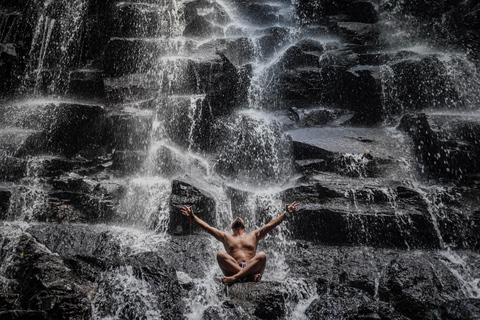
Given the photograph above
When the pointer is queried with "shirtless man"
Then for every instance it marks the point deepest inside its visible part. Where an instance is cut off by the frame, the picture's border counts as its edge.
(240, 261)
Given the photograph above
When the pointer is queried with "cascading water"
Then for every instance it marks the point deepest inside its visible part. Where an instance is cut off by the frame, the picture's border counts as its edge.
(352, 108)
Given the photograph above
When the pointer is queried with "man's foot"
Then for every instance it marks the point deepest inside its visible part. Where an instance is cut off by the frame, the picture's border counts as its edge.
(257, 277)
(228, 281)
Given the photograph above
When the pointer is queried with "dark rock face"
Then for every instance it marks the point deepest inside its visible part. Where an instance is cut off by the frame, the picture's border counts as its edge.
(445, 150)
(406, 282)
(94, 256)
(236, 108)
(5, 195)
(54, 291)
(202, 204)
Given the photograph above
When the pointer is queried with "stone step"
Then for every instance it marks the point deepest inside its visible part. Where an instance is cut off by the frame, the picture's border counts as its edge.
(169, 76)
(348, 151)
(52, 126)
(86, 84)
(335, 212)
(130, 128)
(144, 19)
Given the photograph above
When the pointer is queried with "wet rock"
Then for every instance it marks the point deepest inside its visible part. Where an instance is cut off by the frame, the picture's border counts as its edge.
(203, 205)
(261, 14)
(24, 315)
(58, 128)
(73, 240)
(226, 89)
(125, 162)
(315, 116)
(238, 51)
(421, 84)
(45, 283)
(335, 304)
(271, 40)
(131, 88)
(331, 227)
(304, 54)
(5, 195)
(12, 168)
(312, 157)
(125, 56)
(315, 11)
(265, 299)
(456, 310)
(425, 9)
(94, 254)
(170, 162)
(216, 13)
(273, 307)
(407, 281)
(87, 84)
(201, 28)
(139, 20)
(363, 11)
(130, 129)
(363, 34)
(226, 309)
(444, 148)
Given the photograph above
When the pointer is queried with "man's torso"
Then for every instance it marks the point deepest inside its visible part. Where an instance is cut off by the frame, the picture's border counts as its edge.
(242, 248)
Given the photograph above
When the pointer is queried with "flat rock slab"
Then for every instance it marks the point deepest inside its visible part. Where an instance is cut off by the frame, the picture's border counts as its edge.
(343, 140)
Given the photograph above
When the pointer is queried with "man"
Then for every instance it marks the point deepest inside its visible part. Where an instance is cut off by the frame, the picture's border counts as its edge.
(240, 262)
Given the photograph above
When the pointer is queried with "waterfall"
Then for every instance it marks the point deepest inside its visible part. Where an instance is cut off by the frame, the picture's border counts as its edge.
(116, 114)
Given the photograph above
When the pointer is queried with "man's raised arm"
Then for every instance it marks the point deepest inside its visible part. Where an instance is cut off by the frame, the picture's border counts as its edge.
(289, 209)
(219, 235)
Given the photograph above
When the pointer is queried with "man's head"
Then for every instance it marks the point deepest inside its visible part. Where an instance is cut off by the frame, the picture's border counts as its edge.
(238, 223)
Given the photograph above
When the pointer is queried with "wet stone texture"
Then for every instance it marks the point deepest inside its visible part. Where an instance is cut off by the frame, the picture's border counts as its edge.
(365, 112)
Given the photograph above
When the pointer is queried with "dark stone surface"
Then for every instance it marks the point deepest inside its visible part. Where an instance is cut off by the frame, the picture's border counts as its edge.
(203, 205)
(44, 283)
(5, 195)
(445, 146)
(201, 28)
(407, 281)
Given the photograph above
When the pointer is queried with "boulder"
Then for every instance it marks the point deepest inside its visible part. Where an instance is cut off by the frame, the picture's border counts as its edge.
(363, 34)
(261, 14)
(407, 283)
(210, 10)
(94, 256)
(363, 11)
(456, 310)
(201, 28)
(304, 54)
(271, 40)
(45, 285)
(445, 146)
(203, 205)
(421, 83)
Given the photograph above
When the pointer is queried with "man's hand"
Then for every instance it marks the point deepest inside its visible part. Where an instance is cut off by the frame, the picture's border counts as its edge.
(186, 211)
(290, 208)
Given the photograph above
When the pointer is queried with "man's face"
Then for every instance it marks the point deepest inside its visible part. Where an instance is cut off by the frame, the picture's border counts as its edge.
(238, 223)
